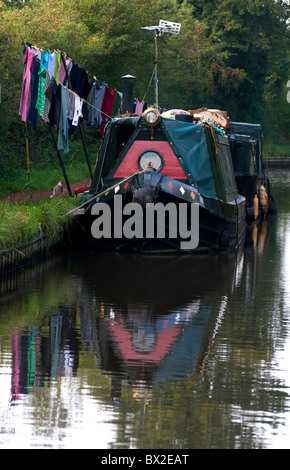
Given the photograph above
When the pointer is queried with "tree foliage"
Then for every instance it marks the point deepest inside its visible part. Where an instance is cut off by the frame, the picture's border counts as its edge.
(232, 55)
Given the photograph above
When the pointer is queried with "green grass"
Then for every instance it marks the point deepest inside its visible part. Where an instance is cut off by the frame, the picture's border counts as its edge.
(42, 178)
(19, 223)
(276, 149)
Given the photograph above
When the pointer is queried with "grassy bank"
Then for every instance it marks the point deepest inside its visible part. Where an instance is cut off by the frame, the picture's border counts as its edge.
(20, 222)
(41, 179)
(276, 149)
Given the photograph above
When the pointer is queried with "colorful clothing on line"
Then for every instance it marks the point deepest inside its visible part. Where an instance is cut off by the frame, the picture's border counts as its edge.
(139, 108)
(107, 106)
(34, 90)
(63, 143)
(26, 82)
(77, 110)
(57, 66)
(96, 101)
(40, 93)
(62, 73)
(51, 63)
(48, 91)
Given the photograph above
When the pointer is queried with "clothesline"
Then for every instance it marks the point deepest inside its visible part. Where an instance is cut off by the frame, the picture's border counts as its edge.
(45, 93)
(56, 88)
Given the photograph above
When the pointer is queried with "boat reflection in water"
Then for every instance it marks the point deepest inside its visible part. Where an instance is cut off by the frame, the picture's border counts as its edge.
(148, 319)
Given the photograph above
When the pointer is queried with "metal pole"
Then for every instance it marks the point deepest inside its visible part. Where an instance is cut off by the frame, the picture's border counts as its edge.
(156, 62)
(60, 161)
(85, 148)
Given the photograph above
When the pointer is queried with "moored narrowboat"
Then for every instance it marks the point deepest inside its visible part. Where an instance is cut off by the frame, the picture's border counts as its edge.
(170, 166)
(177, 181)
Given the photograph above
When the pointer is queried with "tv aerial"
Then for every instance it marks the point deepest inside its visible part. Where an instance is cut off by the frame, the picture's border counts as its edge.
(163, 27)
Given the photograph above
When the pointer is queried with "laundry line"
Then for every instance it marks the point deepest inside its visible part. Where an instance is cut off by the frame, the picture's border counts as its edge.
(69, 89)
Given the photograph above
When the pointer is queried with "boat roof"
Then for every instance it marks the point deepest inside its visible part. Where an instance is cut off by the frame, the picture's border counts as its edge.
(188, 141)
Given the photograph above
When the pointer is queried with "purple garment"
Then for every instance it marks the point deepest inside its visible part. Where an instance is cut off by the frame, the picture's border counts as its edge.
(139, 107)
(34, 91)
(26, 82)
(62, 74)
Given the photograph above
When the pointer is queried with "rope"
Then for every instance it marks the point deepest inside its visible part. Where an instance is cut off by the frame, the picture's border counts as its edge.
(105, 191)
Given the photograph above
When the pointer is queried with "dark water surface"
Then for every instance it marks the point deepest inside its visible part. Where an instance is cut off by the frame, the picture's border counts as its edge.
(118, 352)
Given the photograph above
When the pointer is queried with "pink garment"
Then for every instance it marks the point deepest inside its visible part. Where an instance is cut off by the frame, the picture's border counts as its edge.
(26, 91)
(139, 107)
(62, 74)
(107, 105)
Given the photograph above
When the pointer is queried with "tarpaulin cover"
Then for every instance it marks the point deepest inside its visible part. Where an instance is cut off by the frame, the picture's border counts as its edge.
(189, 143)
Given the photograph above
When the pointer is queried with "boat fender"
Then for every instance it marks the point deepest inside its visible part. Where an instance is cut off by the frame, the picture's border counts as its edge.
(264, 199)
(256, 206)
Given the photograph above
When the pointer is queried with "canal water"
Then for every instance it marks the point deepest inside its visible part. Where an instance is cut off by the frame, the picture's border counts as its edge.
(106, 351)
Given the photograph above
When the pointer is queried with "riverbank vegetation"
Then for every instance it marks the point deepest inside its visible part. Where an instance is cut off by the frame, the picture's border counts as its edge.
(20, 223)
(230, 55)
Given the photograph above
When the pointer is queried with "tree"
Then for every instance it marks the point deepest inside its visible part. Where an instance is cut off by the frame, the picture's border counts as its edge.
(254, 35)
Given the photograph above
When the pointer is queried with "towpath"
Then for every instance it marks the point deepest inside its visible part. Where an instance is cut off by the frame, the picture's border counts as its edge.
(26, 196)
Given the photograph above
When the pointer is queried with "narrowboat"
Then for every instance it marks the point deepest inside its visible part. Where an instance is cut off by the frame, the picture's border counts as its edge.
(181, 171)
(174, 181)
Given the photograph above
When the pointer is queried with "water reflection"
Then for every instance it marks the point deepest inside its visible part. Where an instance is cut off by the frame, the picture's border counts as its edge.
(142, 325)
(91, 337)
(148, 319)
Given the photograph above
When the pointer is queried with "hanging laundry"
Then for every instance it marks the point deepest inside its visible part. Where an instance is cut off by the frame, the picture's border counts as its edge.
(37, 52)
(79, 81)
(54, 113)
(57, 66)
(34, 91)
(45, 59)
(107, 106)
(95, 102)
(63, 143)
(85, 109)
(26, 82)
(70, 105)
(77, 110)
(48, 91)
(62, 73)
(51, 63)
(139, 107)
(40, 92)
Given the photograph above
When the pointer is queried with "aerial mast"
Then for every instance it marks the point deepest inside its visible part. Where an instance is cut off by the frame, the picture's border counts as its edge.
(163, 27)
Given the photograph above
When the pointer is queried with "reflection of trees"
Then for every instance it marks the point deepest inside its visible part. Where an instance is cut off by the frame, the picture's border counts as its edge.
(223, 400)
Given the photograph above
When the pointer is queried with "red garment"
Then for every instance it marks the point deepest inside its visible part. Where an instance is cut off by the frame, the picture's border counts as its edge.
(107, 106)
(26, 91)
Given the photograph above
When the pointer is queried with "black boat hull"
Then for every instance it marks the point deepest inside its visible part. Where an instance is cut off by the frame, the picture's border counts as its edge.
(211, 225)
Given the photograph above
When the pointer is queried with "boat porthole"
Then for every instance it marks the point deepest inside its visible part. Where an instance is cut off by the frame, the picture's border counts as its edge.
(150, 157)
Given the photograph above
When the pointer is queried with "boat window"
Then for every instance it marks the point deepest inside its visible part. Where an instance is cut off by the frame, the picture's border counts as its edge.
(150, 158)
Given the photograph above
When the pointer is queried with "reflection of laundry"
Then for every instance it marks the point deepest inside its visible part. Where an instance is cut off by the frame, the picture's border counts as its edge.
(55, 341)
